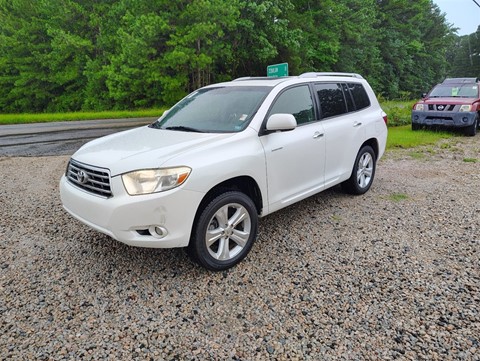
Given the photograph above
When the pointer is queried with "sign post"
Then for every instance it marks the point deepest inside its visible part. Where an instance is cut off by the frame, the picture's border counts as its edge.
(277, 70)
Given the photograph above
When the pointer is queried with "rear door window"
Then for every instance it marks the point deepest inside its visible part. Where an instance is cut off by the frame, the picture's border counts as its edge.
(332, 101)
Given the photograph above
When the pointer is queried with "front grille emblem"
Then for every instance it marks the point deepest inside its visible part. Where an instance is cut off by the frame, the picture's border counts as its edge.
(90, 179)
(440, 107)
(82, 177)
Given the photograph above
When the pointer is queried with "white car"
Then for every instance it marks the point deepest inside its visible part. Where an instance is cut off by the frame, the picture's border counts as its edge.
(202, 175)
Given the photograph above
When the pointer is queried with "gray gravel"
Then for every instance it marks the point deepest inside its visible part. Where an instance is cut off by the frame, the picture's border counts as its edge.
(393, 274)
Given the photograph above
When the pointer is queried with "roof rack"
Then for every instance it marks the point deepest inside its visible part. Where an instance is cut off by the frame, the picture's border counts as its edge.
(461, 80)
(315, 74)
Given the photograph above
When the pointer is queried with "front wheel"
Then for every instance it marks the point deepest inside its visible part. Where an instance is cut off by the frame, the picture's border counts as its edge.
(472, 129)
(224, 232)
(363, 172)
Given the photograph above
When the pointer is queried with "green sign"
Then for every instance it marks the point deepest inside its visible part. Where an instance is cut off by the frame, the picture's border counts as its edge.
(277, 70)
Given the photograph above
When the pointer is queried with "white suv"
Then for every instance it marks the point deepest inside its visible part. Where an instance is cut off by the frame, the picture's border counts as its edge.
(225, 155)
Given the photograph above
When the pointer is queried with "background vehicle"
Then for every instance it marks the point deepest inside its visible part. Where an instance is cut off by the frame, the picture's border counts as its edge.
(453, 103)
(225, 155)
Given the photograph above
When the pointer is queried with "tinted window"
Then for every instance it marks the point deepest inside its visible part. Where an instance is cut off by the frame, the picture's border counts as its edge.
(296, 101)
(360, 96)
(348, 98)
(331, 99)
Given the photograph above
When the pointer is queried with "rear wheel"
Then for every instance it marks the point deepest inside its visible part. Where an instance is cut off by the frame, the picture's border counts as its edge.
(363, 172)
(224, 232)
(472, 129)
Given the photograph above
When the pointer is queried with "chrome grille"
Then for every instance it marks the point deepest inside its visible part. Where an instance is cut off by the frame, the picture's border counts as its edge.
(90, 179)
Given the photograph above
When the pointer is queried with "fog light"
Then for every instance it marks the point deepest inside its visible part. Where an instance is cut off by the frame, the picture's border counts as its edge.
(465, 119)
(415, 117)
(158, 231)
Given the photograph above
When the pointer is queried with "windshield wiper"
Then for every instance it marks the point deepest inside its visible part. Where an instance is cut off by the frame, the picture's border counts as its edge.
(183, 128)
(155, 125)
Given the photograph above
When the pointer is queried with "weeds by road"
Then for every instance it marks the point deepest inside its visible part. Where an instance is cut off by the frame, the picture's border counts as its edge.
(400, 134)
(58, 117)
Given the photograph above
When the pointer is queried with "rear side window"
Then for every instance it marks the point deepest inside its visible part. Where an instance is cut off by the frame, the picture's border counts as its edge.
(360, 96)
(332, 101)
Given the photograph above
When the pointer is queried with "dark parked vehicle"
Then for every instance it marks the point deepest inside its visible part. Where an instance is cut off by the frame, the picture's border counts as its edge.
(453, 103)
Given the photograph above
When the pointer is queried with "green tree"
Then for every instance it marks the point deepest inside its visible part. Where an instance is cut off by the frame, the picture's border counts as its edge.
(320, 34)
(465, 56)
(360, 47)
(43, 50)
(133, 74)
(414, 38)
(263, 35)
(60, 55)
(197, 45)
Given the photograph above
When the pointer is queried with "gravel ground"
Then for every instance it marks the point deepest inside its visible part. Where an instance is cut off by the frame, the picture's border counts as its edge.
(393, 274)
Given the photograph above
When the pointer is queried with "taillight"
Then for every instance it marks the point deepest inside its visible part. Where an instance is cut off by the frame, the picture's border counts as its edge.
(385, 119)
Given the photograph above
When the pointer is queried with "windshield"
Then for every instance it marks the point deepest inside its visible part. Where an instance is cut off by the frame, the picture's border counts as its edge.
(455, 90)
(214, 110)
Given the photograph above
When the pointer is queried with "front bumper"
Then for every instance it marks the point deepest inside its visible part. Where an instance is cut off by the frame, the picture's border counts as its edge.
(448, 119)
(131, 219)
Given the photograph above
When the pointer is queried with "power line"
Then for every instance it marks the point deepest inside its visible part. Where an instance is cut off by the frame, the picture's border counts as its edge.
(475, 1)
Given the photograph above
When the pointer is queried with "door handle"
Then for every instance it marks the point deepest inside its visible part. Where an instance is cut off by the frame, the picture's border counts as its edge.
(357, 124)
(317, 135)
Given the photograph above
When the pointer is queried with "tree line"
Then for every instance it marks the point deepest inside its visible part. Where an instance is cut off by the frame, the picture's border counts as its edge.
(69, 55)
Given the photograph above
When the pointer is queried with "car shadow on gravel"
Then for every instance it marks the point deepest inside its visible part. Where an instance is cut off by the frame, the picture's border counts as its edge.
(95, 253)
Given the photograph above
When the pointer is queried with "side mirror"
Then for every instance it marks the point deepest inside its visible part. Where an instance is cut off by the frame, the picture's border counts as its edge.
(281, 122)
(424, 95)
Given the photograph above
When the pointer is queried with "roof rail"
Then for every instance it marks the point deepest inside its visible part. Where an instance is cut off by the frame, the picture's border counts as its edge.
(461, 80)
(259, 78)
(315, 74)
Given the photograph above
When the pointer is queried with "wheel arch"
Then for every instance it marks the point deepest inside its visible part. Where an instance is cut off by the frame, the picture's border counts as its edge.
(244, 184)
(372, 142)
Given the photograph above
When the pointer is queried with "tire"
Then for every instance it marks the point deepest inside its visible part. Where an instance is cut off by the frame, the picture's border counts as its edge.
(363, 172)
(230, 221)
(472, 129)
(415, 126)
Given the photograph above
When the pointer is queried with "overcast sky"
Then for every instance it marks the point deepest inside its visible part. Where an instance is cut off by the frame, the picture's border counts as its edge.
(463, 14)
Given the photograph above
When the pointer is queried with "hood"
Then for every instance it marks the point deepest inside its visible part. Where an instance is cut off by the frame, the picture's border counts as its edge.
(141, 148)
(450, 100)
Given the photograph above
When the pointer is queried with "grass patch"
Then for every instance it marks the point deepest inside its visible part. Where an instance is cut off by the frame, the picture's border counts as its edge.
(398, 112)
(57, 117)
(417, 155)
(470, 160)
(336, 218)
(397, 197)
(405, 137)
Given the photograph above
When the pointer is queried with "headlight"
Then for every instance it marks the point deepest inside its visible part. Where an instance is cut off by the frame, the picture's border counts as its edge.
(466, 108)
(154, 180)
(419, 107)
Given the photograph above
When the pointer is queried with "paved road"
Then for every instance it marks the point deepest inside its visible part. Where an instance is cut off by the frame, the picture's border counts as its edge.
(59, 138)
